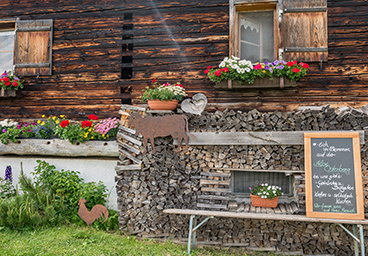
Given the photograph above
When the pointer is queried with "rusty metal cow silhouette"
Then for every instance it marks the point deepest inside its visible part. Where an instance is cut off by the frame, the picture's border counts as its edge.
(161, 126)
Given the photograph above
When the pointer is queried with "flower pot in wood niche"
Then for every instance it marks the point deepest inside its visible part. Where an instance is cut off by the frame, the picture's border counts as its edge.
(264, 202)
(163, 105)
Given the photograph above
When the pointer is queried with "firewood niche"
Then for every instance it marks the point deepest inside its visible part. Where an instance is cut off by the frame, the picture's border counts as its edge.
(226, 142)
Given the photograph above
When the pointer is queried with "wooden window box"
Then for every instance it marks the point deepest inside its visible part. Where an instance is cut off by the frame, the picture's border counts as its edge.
(276, 82)
(9, 93)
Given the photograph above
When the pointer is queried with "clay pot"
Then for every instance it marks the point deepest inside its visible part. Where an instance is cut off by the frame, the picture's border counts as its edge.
(163, 105)
(264, 202)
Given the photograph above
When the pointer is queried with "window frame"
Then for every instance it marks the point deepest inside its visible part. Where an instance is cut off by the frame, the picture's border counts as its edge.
(22, 66)
(238, 6)
(239, 9)
(10, 23)
(247, 194)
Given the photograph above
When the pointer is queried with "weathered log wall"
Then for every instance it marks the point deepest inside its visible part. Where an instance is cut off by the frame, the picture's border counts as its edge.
(87, 56)
(200, 179)
(103, 51)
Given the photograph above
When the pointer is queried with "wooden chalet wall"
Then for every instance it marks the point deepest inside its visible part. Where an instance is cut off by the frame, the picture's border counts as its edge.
(86, 61)
(177, 41)
(105, 52)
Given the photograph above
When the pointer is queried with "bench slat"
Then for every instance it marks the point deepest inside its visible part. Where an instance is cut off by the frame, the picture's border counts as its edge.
(285, 217)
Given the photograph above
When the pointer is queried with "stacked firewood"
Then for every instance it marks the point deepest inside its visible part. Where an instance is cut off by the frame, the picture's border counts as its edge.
(198, 179)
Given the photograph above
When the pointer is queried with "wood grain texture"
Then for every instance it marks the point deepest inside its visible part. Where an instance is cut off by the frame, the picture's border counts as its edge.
(253, 138)
(175, 41)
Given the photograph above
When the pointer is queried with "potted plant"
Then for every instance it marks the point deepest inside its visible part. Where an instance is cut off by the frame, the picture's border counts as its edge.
(164, 96)
(264, 195)
(9, 84)
(244, 74)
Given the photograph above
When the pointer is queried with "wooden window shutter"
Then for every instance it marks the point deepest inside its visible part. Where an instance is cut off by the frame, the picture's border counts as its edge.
(304, 30)
(33, 47)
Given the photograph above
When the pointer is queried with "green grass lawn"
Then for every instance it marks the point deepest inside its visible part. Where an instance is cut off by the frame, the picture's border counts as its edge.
(73, 240)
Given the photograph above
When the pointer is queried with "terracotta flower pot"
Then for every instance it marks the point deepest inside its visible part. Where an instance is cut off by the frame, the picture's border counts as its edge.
(264, 202)
(163, 105)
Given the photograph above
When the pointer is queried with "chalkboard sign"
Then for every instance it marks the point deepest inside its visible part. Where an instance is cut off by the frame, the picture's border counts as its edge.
(333, 175)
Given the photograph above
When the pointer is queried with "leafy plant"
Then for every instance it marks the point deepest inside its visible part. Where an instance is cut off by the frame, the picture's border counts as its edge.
(163, 92)
(264, 190)
(52, 198)
(68, 186)
(244, 71)
(8, 81)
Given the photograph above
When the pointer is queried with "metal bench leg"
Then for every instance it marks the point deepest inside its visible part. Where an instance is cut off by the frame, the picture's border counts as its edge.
(357, 239)
(194, 231)
(356, 244)
(362, 250)
(190, 232)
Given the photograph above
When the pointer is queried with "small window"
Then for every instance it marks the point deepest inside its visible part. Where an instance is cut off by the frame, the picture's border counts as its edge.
(241, 181)
(286, 29)
(7, 32)
(257, 37)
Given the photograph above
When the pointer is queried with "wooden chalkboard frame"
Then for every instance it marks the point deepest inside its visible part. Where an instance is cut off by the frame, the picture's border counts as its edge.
(357, 170)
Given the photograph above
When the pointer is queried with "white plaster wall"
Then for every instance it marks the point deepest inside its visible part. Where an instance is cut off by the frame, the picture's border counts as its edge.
(91, 169)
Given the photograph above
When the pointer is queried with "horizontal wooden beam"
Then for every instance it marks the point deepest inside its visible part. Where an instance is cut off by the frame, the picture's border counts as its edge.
(253, 138)
(34, 29)
(287, 172)
(315, 9)
(58, 147)
(33, 65)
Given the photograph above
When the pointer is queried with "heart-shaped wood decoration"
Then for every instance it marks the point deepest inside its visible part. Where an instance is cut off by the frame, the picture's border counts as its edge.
(195, 105)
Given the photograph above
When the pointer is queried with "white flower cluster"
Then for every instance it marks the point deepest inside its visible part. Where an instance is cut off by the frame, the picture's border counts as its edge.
(8, 123)
(267, 190)
(241, 66)
(176, 89)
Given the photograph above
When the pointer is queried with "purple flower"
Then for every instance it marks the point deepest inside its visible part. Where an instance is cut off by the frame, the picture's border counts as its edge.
(276, 62)
(280, 67)
(282, 62)
(8, 173)
(267, 68)
(266, 63)
(29, 130)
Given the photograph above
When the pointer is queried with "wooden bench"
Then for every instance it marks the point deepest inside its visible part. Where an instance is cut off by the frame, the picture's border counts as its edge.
(357, 233)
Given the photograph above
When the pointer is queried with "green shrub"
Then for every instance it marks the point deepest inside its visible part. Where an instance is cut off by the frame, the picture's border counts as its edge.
(52, 198)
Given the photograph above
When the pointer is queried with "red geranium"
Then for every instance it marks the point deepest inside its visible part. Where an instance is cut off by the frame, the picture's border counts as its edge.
(295, 70)
(218, 73)
(15, 84)
(290, 64)
(64, 123)
(86, 124)
(305, 65)
(206, 71)
(92, 117)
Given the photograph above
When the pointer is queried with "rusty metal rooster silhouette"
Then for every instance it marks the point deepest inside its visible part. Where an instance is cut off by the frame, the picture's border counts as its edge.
(98, 212)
